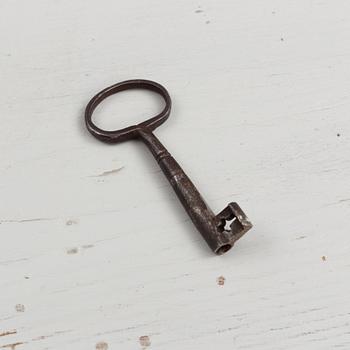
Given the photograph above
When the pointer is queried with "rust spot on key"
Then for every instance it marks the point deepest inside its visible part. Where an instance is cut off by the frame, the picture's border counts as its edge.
(220, 231)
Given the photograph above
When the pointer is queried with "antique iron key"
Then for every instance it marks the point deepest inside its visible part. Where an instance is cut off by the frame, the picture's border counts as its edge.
(220, 231)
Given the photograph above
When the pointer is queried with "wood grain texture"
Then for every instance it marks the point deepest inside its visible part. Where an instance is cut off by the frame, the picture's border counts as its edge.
(97, 253)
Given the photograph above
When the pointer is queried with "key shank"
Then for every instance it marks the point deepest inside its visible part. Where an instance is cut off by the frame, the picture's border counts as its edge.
(212, 227)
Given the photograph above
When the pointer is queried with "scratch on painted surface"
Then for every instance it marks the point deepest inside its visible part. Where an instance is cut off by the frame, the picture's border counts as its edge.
(344, 200)
(11, 346)
(338, 202)
(8, 333)
(87, 246)
(6, 262)
(108, 172)
(42, 337)
(19, 221)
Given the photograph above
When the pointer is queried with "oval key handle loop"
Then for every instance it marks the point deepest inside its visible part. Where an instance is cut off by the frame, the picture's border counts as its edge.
(131, 131)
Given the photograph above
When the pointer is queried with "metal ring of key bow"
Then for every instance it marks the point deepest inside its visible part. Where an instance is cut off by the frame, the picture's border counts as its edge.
(212, 227)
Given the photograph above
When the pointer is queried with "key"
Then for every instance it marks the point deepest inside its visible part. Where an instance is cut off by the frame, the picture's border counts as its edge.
(220, 231)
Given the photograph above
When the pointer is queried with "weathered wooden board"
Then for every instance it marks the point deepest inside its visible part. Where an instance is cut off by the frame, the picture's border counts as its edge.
(97, 253)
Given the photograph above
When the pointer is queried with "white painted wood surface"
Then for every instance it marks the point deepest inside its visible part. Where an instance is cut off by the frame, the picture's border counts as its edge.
(97, 253)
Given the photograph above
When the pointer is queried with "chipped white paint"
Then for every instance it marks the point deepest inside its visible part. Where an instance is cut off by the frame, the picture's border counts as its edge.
(95, 257)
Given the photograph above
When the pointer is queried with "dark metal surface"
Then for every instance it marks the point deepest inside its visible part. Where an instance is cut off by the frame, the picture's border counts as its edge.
(220, 231)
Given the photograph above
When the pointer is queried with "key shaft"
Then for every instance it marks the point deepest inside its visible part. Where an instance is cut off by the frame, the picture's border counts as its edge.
(210, 226)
